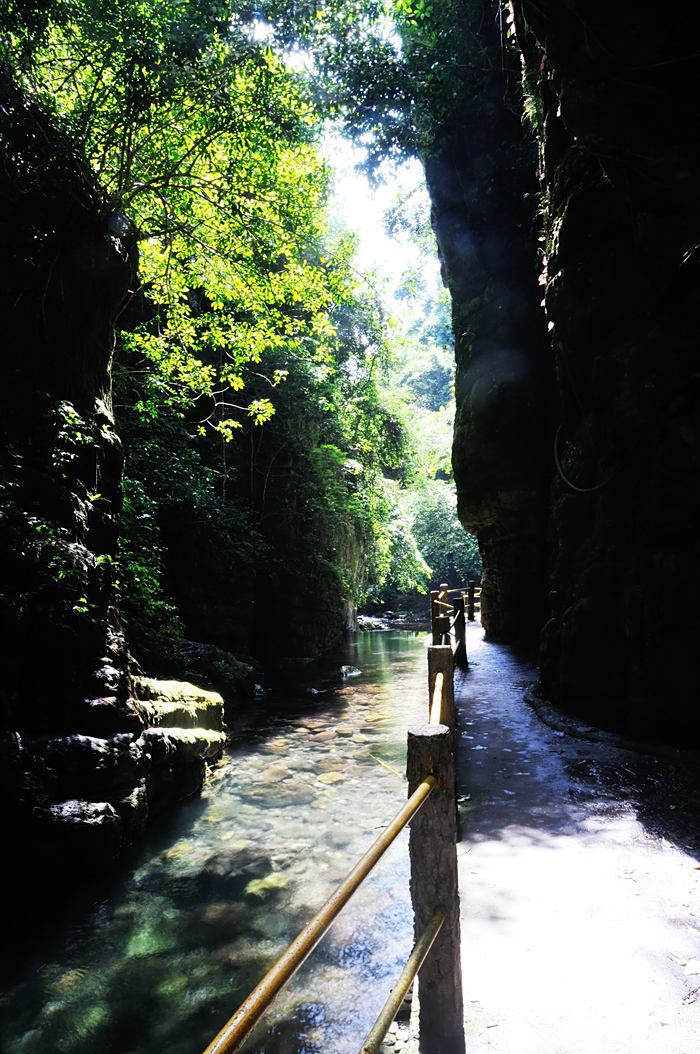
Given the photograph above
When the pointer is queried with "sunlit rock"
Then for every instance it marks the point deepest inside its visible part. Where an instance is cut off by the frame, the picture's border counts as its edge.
(331, 777)
(178, 704)
(264, 888)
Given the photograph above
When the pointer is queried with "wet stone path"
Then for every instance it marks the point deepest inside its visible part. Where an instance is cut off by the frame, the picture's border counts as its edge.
(580, 887)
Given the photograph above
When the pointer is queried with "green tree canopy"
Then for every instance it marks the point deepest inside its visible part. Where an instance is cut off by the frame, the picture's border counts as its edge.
(203, 134)
(203, 141)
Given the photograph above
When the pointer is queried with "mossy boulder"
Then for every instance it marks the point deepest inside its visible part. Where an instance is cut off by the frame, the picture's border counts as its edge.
(178, 704)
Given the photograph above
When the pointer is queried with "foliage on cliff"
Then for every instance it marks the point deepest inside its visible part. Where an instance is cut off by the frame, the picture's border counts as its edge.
(395, 73)
(200, 127)
(203, 142)
(306, 501)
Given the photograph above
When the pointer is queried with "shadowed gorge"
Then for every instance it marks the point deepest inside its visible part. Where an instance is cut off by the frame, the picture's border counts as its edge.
(315, 315)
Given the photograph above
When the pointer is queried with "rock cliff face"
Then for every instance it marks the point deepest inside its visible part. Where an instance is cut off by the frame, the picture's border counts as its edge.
(482, 186)
(80, 767)
(614, 93)
(602, 410)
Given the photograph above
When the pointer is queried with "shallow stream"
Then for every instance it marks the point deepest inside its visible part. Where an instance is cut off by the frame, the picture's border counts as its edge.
(180, 937)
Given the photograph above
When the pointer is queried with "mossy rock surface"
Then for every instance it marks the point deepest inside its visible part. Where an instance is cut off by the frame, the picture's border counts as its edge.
(153, 689)
(183, 744)
(191, 661)
(178, 704)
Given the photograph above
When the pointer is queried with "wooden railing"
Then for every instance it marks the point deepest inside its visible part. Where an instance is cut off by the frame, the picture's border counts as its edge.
(433, 856)
(450, 609)
(431, 810)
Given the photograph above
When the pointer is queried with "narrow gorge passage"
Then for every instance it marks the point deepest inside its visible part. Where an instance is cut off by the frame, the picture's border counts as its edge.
(579, 878)
(168, 951)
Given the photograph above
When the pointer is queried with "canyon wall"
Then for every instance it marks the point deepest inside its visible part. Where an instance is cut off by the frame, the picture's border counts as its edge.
(613, 95)
(82, 762)
(576, 435)
(481, 178)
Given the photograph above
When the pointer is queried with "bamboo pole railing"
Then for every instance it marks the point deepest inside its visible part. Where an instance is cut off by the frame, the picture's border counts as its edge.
(240, 1025)
(375, 1037)
(431, 811)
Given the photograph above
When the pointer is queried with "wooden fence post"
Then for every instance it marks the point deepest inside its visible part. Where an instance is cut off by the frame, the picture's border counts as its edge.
(434, 609)
(435, 887)
(441, 629)
(460, 633)
(440, 618)
(440, 661)
(471, 585)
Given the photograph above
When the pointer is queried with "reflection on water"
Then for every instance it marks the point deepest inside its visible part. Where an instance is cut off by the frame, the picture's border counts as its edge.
(217, 894)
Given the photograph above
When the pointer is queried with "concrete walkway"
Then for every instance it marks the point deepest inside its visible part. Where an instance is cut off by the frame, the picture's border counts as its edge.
(580, 887)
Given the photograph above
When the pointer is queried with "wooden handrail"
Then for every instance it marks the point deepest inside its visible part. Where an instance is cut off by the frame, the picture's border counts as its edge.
(436, 702)
(447, 620)
(431, 749)
(239, 1027)
(375, 1037)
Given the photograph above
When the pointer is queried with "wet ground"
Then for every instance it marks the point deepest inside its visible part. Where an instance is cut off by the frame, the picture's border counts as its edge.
(579, 879)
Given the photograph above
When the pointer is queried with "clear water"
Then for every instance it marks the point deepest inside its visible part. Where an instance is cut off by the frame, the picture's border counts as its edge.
(181, 936)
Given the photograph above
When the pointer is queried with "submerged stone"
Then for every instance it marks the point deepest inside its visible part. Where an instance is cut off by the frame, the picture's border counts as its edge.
(150, 939)
(331, 777)
(276, 746)
(275, 772)
(271, 926)
(263, 888)
(323, 737)
(68, 980)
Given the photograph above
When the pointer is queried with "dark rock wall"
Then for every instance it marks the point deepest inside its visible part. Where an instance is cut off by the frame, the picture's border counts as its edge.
(214, 593)
(79, 769)
(275, 605)
(64, 658)
(483, 188)
(311, 556)
(614, 93)
(63, 276)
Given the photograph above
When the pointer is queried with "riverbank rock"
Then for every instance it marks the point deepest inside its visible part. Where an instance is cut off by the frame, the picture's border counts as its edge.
(83, 828)
(83, 799)
(86, 768)
(178, 704)
(183, 744)
(191, 662)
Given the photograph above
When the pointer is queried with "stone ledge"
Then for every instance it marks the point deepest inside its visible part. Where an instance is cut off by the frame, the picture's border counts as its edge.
(178, 704)
(570, 725)
(183, 744)
(90, 831)
(86, 768)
